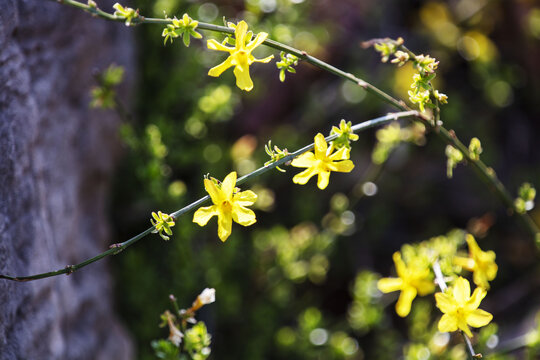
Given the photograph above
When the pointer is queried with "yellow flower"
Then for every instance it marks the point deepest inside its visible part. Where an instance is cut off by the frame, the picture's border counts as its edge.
(228, 206)
(412, 280)
(481, 263)
(461, 309)
(240, 56)
(321, 162)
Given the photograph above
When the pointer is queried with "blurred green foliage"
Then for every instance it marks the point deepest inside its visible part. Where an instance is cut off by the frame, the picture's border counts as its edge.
(300, 283)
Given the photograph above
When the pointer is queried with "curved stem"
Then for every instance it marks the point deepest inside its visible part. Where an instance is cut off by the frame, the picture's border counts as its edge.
(116, 248)
(448, 136)
(69, 269)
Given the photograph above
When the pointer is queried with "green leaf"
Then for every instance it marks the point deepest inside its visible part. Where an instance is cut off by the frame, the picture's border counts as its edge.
(186, 38)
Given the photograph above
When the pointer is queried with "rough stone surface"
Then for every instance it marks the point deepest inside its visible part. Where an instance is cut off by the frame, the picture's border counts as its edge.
(56, 161)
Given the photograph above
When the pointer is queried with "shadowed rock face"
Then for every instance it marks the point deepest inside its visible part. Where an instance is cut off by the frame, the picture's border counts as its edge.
(56, 160)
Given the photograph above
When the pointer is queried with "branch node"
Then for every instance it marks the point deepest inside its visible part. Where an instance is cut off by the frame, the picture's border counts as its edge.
(70, 269)
(362, 83)
(116, 246)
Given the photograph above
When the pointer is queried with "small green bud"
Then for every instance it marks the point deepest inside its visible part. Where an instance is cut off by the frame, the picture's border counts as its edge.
(275, 154)
(426, 64)
(386, 50)
(454, 158)
(443, 99)
(422, 98)
(345, 135)
(162, 223)
(184, 27)
(525, 200)
(475, 149)
(125, 12)
(387, 47)
(286, 64)
(520, 205)
(527, 192)
(401, 57)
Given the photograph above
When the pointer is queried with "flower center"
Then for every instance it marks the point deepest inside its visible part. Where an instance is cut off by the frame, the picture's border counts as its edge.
(226, 206)
(241, 57)
(320, 164)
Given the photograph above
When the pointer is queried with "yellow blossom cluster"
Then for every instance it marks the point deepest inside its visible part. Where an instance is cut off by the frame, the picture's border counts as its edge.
(416, 275)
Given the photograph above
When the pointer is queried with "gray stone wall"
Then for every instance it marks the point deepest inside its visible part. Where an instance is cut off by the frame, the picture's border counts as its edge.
(57, 157)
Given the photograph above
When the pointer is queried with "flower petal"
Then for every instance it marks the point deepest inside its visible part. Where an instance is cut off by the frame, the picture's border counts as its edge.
(228, 184)
(305, 160)
(475, 299)
(464, 262)
(387, 285)
(462, 325)
(462, 291)
(478, 318)
(341, 166)
(215, 193)
(243, 216)
(243, 80)
(403, 306)
(240, 34)
(214, 45)
(320, 146)
(424, 287)
(202, 215)
(445, 303)
(259, 39)
(323, 179)
(224, 225)
(401, 269)
(491, 271)
(341, 154)
(245, 198)
(448, 323)
(219, 69)
(480, 279)
(264, 60)
(303, 177)
(473, 245)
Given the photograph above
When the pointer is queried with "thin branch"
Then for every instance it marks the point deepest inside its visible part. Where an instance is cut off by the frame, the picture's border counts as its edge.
(448, 136)
(116, 248)
(439, 279)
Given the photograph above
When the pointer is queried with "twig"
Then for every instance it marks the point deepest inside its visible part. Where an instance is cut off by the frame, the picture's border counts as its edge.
(449, 137)
(116, 248)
